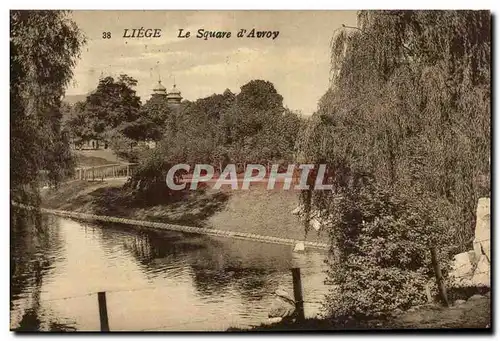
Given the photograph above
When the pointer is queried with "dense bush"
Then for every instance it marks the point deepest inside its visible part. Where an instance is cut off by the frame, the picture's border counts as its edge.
(126, 148)
(381, 250)
(148, 183)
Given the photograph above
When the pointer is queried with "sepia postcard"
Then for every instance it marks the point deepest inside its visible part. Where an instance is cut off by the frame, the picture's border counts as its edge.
(239, 171)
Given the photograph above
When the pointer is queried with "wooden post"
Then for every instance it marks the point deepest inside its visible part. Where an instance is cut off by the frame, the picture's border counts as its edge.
(103, 311)
(297, 294)
(114, 171)
(428, 293)
(128, 170)
(439, 277)
(93, 174)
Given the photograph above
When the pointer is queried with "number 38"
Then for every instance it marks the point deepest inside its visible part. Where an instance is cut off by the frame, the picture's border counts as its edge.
(106, 35)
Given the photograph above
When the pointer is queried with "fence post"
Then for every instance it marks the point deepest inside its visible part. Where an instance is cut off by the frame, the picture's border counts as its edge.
(297, 293)
(128, 170)
(439, 276)
(428, 293)
(103, 311)
(93, 174)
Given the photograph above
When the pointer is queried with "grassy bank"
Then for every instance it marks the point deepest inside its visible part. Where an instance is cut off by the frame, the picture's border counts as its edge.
(254, 211)
(474, 313)
(89, 158)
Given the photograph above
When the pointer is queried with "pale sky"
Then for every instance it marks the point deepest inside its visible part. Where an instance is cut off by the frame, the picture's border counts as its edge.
(297, 62)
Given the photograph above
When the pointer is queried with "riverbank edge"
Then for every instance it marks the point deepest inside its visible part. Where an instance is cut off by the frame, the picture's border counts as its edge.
(172, 227)
(473, 314)
(217, 210)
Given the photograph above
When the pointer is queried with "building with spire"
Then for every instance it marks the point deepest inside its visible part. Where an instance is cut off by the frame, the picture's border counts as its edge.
(174, 97)
(159, 90)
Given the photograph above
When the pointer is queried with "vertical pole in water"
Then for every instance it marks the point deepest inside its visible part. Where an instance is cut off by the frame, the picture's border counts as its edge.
(297, 294)
(103, 311)
(439, 276)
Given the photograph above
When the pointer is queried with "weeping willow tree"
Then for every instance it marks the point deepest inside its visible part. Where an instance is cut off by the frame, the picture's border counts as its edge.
(44, 46)
(405, 125)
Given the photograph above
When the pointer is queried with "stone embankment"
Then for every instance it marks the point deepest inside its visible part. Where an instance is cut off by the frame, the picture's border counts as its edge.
(472, 268)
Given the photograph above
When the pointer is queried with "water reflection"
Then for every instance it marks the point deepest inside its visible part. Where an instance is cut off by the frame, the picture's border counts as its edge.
(35, 251)
(158, 280)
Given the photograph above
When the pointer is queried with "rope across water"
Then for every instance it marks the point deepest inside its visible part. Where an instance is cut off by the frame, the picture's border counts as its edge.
(180, 228)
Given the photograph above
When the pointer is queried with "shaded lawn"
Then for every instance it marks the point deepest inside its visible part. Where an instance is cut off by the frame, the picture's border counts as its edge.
(89, 161)
(96, 157)
(265, 212)
(110, 198)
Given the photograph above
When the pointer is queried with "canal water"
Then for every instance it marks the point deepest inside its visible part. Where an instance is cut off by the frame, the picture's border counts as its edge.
(154, 280)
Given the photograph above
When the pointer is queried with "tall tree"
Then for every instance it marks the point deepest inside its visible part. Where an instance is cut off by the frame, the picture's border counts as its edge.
(114, 105)
(409, 108)
(44, 46)
(80, 124)
(249, 121)
(155, 116)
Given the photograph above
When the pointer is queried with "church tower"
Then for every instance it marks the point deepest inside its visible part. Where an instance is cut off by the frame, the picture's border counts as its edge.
(159, 90)
(174, 97)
